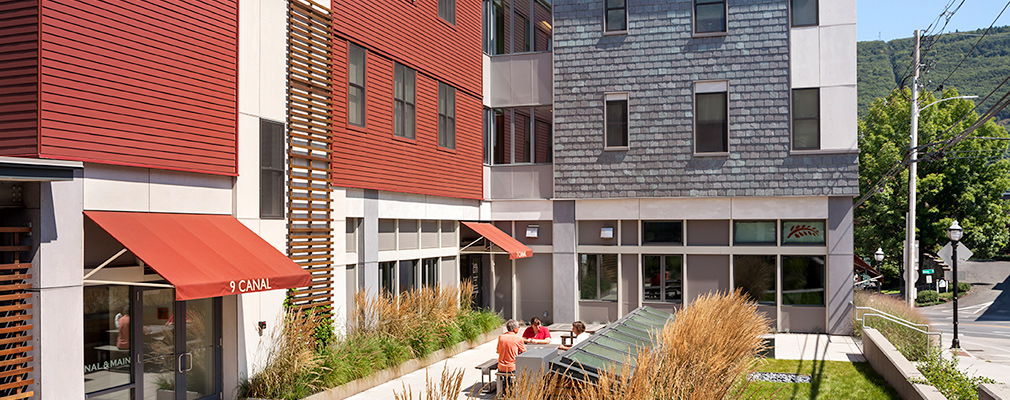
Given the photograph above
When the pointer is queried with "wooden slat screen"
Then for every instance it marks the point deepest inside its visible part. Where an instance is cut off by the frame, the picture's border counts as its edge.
(15, 314)
(310, 132)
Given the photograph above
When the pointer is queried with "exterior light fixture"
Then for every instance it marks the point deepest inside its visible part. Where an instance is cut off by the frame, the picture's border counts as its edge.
(607, 232)
(954, 234)
(532, 231)
(879, 255)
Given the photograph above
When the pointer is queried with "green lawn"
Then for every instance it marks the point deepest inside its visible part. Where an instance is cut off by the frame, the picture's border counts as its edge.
(829, 380)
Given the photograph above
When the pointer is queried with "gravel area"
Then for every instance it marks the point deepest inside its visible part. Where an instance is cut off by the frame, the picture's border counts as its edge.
(781, 377)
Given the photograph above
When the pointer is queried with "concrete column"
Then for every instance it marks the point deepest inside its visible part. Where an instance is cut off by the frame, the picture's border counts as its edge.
(565, 267)
(56, 213)
(368, 241)
(838, 282)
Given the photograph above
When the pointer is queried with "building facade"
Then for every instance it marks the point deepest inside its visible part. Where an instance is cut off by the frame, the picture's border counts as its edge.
(696, 146)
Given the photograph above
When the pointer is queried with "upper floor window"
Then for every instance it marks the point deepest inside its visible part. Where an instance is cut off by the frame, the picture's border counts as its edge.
(616, 16)
(711, 122)
(709, 16)
(447, 10)
(806, 119)
(271, 169)
(403, 101)
(519, 135)
(515, 26)
(446, 116)
(616, 120)
(804, 12)
(356, 85)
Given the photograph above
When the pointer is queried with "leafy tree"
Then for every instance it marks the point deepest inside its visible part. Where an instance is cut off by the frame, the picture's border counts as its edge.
(966, 183)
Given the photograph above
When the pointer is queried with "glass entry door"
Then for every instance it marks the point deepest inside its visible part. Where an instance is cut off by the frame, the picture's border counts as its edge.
(181, 350)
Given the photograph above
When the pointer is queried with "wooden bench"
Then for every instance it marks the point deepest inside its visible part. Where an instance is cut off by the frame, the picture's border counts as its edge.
(485, 370)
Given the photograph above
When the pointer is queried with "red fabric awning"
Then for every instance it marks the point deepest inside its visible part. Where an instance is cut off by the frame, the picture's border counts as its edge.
(501, 239)
(202, 255)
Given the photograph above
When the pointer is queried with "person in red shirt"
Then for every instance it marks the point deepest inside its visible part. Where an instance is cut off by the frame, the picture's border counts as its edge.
(510, 345)
(536, 333)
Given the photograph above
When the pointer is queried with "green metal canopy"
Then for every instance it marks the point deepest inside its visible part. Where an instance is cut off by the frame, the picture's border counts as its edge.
(612, 346)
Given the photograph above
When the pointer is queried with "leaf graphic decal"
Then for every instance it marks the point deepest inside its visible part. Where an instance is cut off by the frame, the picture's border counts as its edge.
(799, 231)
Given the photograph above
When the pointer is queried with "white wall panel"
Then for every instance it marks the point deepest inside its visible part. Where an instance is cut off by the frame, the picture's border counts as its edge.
(185, 192)
(837, 12)
(273, 60)
(519, 210)
(116, 188)
(838, 118)
(696, 208)
(804, 57)
(838, 55)
(606, 209)
(779, 207)
(246, 193)
(249, 57)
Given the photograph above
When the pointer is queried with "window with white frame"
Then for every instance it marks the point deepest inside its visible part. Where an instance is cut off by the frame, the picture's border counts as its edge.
(616, 120)
(806, 119)
(403, 101)
(616, 15)
(711, 117)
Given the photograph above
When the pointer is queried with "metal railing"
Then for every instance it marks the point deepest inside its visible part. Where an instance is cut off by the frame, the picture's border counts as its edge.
(873, 312)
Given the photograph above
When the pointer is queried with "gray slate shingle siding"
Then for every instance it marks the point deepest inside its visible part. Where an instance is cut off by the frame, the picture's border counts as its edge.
(657, 63)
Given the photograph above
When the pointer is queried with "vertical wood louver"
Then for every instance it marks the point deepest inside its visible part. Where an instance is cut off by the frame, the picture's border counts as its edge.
(310, 133)
(15, 316)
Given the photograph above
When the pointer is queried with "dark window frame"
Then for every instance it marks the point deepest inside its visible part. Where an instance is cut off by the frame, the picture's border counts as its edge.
(794, 118)
(792, 14)
(606, 18)
(446, 116)
(663, 279)
(663, 243)
(401, 101)
(725, 18)
(775, 233)
(272, 134)
(351, 84)
(788, 279)
(783, 235)
(774, 281)
(447, 11)
(599, 277)
(617, 99)
(725, 128)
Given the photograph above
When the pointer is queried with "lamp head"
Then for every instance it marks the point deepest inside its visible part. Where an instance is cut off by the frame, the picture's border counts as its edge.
(879, 255)
(954, 232)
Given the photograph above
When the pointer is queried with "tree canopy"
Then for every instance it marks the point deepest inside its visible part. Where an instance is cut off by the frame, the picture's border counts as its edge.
(966, 183)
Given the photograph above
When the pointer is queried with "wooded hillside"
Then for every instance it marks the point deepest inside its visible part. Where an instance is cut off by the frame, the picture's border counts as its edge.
(882, 66)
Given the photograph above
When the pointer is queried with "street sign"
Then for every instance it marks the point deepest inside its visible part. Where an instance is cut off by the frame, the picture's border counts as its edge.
(927, 271)
(929, 279)
(963, 254)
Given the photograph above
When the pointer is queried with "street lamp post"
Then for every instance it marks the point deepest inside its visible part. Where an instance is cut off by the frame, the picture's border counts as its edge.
(954, 233)
(879, 256)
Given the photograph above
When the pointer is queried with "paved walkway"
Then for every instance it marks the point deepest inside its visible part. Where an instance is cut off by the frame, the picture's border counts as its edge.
(787, 346)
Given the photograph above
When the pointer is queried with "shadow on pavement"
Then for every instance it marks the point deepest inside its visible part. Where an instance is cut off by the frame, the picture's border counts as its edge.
(999, 310)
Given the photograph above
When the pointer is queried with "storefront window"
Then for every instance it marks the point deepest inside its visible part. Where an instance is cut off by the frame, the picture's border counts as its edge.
(108, 361)
(803, 232)
(755, 277)
(663, 232)
(429, 272)
(754, 232)
(803, 280)
(386, 272)
(662, 278)
(598, 277)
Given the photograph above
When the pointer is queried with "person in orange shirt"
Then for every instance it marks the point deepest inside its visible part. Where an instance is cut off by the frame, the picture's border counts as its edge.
(510, 345)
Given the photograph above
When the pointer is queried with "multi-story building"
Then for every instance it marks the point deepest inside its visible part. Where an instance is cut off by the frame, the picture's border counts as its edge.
(649, 152)
(160, 159)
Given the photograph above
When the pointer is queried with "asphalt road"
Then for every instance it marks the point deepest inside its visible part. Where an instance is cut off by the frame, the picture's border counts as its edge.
(983, 314)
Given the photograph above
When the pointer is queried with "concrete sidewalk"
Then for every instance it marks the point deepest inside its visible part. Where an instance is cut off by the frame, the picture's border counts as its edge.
(787, 346)
(973, 366)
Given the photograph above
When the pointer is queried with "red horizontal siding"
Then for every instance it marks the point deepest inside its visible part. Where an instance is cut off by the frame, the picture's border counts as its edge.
(19, 61)
(372, 158)
(140, 83)
(413, 33)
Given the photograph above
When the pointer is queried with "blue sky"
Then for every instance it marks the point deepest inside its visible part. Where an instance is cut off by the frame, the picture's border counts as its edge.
(893, 19)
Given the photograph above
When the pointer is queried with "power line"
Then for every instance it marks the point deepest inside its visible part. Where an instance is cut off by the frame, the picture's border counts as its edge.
(973, 46)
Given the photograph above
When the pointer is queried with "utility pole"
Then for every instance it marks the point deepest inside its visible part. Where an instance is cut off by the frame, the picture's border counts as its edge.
(912, 171)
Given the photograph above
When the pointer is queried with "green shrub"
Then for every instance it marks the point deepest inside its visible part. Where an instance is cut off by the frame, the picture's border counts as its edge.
(927, 297)
(943, 374)
(962, 288)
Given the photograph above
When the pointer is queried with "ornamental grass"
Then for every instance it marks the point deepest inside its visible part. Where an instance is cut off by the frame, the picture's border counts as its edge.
(912, 344)
(705, 352)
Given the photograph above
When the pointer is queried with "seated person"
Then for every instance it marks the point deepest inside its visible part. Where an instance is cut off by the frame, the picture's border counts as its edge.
(537, 333)
(579, 334)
